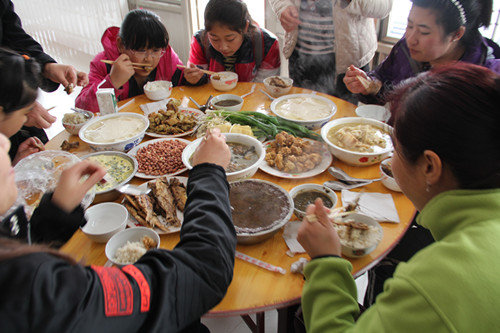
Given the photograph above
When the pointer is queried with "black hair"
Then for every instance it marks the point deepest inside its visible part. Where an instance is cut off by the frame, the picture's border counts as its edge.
(453, 111)
(142, 29)
(477, 14)
(231, 13)
(19, 81)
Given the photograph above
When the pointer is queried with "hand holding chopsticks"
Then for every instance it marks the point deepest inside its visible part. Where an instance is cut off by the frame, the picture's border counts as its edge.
(134, 64)
(201, 70)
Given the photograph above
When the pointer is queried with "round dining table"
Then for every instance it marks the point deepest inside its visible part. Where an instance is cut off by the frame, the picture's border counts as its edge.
(254, 289)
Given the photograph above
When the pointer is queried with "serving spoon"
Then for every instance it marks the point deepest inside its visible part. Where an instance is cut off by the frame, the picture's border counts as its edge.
(344, 181)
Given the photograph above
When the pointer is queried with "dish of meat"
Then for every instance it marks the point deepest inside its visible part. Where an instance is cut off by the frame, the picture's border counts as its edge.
(178, 123)
(162, 208)
(321, 166)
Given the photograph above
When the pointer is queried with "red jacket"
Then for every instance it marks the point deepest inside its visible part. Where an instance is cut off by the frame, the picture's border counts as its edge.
(99, 71)
(245, 66)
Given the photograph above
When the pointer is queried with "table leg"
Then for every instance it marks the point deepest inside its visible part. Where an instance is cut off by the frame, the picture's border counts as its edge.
(285, 318)
(255, 327)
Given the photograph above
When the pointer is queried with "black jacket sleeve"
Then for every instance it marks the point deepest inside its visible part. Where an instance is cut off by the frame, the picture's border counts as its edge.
(177, 287)
(14, 37)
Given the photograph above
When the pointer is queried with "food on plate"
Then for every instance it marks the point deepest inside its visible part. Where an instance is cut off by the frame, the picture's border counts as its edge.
(161, 157)
(220, 122)
(67, 146)
(158, 208)
(291, 154)
(118, 169)
(257, 206)
(114, 129)
(278, 82)
(132, 251)
(227, 102)
(171, 121)
(242, 156)
(364, 138)
(307, 197)
(304, 108)
(75, 118)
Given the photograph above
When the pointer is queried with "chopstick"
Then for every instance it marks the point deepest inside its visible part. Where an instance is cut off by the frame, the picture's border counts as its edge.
(260, 263)
(134, 64)
(202, 70)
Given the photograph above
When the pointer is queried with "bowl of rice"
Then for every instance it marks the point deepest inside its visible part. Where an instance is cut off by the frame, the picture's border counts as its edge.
(158, 90)
(127, 246)
(359, 234)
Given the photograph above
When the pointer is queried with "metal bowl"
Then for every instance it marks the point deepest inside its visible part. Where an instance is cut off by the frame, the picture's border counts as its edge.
(111, 193)
(256, 201)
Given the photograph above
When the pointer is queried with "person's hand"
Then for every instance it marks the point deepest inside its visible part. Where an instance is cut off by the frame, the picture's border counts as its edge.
(192, 74)
(27, 147)
(213, 149)
(289, 18)
(70, 190)
(39, 117)
(319, 238)
(121, 71)
(358, 82)
(65, 75)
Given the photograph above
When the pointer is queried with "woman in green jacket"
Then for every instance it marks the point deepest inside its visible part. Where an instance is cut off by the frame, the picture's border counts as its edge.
(447, 162)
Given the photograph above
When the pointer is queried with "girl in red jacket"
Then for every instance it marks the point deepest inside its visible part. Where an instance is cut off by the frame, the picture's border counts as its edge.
(142, 38)
(232, 42)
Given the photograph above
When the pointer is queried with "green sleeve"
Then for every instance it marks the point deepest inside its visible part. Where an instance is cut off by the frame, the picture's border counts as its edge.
(329, 301)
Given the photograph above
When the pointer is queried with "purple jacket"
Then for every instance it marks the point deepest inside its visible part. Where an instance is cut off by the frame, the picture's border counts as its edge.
(398, 66)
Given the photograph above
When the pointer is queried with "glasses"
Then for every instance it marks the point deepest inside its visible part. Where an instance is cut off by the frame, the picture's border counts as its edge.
(143, 54)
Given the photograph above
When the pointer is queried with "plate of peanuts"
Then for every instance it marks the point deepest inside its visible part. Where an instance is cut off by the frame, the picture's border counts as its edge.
(160, 157)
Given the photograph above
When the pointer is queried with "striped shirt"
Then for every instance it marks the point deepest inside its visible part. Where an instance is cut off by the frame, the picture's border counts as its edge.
(316, 34)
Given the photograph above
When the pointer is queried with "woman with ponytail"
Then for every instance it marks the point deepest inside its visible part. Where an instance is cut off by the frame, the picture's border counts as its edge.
(438, 32)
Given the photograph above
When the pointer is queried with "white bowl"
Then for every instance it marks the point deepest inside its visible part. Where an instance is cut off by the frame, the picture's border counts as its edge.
(158, 90)
(351, 157)
(104, 220)
(227, 97)
(227, 81)
(356, 252)
(377, 112)
(75, 128)
(278, 91)
(121, 145)
(311, 187)
(128, 235)
(311, 124)
(388, 180)
(236, 138)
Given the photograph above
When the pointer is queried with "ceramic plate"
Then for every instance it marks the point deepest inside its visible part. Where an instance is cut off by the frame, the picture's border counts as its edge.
(196, 113)
(326, 161)
(133, 152)
(133, 223)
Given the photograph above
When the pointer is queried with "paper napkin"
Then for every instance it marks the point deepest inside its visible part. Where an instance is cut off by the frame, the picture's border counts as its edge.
(379, 206)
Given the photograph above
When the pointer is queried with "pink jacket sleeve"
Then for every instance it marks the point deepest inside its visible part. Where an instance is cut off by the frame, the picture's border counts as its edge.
(87, 98)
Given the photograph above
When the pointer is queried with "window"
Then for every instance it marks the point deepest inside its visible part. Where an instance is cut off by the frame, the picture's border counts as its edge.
(393, 28)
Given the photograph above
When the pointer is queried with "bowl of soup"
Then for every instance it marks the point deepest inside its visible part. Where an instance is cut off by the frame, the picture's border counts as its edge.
(224, 81)
(118, 131)
(358, 141)
(259, 209)
(120, 169)
(247, 153)
(278, 85)
(227, 102)
(308, 110)
(306, 194)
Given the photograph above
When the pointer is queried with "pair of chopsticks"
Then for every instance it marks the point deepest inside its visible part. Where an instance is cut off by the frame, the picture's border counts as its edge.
(202, 70)
(134, 64)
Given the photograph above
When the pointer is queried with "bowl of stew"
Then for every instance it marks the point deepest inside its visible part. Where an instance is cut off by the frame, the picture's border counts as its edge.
(227, 102)
(305, 194)
(247, 153)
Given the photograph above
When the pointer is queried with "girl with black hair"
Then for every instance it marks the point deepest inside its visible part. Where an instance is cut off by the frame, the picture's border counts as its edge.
(231, 41)
(142, 38)
(438, 32)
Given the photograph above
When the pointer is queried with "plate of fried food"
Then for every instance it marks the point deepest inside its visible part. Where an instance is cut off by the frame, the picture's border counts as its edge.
(295, 158)
(159, 157)
(162, 209)
(174, 121)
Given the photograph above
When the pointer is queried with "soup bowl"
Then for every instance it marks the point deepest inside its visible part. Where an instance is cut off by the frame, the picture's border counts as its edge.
(243, 139)
(224, 81)
(227, 102)
(353, 157)
(275, 90)
(311, 188)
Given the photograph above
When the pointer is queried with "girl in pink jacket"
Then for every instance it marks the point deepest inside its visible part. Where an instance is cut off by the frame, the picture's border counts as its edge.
(142, 38)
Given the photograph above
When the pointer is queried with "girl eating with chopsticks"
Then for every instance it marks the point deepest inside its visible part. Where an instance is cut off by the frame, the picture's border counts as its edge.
(133, 55)
(232, 42)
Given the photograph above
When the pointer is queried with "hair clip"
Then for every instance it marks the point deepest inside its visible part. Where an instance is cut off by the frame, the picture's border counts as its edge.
(460, 10)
